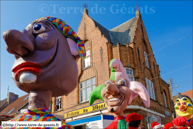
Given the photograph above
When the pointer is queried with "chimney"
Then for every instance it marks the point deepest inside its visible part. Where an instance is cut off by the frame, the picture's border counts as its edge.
(11, 97)
(178, 94)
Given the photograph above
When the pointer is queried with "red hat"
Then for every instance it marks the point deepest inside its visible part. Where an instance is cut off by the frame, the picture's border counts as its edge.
(155, 125)
(133, 117)
(180, 121)
(183, 128)
(190, 123)
(168, 125)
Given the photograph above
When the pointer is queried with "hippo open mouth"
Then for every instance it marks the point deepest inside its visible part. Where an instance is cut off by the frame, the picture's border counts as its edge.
(115, 101)
(183, 110)
(26, 66)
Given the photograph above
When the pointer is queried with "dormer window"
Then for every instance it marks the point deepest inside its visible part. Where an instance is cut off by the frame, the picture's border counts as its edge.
(86, 62)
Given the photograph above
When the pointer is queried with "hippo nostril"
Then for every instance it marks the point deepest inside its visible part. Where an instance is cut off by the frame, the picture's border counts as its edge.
(28, 51)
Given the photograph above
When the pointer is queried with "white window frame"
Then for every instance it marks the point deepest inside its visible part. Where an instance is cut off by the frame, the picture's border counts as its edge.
(59, 103)
(86, 60)
(131, 74)
(146, 60)
(84, 88)
(150, 89)
(165, 100)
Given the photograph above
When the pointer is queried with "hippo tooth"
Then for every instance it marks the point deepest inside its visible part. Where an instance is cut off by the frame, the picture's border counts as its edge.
(114, 99)
(27, 77)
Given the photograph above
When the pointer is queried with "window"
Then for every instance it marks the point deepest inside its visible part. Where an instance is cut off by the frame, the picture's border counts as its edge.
(85, 89)
(3, 112)
(142, 30)
(150, 89)
(146, 60)
(58, 103)
(165, 101)
(129, 72)
(26, 97)
(139, 55)
(50, 107)
(86, 61)
(10, 111)
(154, 67)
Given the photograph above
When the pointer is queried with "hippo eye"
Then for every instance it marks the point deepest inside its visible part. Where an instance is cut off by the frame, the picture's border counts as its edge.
(178, 104)
(108, 82)
(184, 103)
(184, 99)
(121, 82)
(37, 28)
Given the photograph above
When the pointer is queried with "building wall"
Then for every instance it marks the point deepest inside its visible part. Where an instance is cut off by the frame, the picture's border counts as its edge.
(129, 56)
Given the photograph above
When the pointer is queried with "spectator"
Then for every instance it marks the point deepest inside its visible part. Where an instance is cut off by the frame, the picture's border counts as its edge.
(156, 125)
(180, 122)
(134, 121)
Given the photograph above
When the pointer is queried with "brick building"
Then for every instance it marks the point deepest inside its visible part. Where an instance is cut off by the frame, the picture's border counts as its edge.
(129, 43)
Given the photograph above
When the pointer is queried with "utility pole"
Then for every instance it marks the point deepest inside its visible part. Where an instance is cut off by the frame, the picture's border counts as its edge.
(171, 87)
(170, 81)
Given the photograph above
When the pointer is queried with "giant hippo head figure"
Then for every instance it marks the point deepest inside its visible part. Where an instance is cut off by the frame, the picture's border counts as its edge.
(46, 52)
(119, 90)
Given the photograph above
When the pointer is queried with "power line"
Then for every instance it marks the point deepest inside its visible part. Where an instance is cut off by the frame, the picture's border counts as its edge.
(185, 83)
(171, 72)
(170, 44)
(184, 80)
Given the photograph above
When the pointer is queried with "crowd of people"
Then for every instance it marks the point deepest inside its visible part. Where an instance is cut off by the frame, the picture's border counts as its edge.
(134, 122)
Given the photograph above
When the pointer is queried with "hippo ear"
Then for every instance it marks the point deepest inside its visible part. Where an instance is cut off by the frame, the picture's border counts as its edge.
(73, 47)
(139, 89)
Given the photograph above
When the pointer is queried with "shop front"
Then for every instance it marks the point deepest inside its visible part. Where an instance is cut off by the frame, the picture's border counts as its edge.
(96, 116)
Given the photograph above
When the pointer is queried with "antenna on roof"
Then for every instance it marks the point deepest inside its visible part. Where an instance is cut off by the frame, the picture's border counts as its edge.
(85, 5)
(137, 7)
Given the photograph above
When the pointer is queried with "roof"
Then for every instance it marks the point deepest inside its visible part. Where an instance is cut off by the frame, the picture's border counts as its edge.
(121, 34)
(3, 104)
(15, 106)
(103, 30)
(189, 93)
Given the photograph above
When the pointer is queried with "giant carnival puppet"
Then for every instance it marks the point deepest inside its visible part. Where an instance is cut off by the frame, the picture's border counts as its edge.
(45, 64)
(184, 106)
(118, 92)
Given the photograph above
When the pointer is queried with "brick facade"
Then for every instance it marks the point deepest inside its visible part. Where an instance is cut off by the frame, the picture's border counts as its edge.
(131, 55)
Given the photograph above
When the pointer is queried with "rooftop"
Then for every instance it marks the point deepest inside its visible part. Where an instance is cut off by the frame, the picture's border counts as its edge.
(15, 106)
(122, 33)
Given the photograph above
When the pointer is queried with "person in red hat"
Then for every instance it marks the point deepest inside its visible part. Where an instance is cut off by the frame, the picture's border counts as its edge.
(180, 122)
(134, 121)
(190, 124)
(169, 126)
(156, 125)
